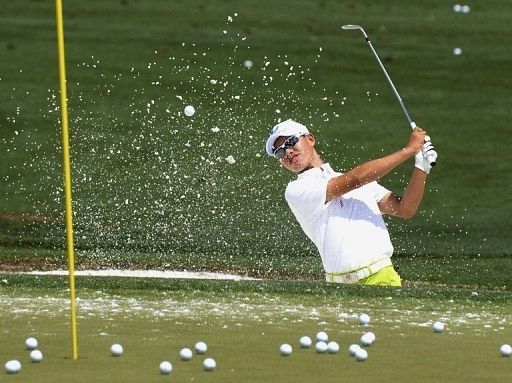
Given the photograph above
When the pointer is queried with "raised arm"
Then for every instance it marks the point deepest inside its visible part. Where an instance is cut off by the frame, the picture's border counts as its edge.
(375, 169)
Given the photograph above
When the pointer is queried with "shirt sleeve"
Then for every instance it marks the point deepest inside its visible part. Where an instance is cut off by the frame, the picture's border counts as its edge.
(306, 196)
(378, 191)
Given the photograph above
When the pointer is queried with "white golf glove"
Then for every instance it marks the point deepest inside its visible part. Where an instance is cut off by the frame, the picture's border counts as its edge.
(425, 156)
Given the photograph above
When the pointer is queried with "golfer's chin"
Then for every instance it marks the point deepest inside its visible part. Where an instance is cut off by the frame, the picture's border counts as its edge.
(295, 165)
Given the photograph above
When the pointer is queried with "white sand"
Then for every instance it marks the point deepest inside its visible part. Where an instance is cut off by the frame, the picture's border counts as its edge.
(147, 274)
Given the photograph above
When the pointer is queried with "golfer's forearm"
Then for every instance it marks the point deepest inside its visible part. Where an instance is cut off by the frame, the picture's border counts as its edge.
(376, 169)
(365, 173)
(413, 194)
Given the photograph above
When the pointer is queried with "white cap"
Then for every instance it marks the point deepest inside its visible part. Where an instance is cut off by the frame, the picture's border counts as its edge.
(285, 128)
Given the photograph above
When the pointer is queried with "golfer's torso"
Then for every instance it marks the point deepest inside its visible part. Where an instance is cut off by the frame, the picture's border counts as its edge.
(349, 231)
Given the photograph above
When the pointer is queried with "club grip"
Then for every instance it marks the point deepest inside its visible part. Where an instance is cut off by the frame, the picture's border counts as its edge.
(431, 158)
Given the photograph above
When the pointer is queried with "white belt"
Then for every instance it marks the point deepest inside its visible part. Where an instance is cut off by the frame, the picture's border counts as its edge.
(357, 275)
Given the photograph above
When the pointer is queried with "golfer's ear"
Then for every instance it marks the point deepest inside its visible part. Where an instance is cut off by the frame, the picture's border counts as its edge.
(311, 139)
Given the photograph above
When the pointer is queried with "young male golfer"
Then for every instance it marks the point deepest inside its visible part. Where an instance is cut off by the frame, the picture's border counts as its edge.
(342, 212)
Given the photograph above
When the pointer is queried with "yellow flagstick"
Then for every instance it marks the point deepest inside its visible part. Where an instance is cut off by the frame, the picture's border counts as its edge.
(67, 174)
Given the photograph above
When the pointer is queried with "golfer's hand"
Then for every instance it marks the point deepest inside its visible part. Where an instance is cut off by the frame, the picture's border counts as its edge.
(416, 141)
(425, 156)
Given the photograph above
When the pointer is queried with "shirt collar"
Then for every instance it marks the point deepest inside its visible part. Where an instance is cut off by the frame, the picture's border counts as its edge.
(325, 169)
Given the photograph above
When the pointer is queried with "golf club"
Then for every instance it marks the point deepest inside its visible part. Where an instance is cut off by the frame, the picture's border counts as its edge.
(431, 158)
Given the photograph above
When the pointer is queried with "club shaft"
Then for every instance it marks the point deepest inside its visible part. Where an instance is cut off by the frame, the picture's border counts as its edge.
(431, 159)
(390, 82)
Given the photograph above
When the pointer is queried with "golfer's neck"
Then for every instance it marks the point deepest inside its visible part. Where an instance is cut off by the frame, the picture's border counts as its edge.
(316, 162)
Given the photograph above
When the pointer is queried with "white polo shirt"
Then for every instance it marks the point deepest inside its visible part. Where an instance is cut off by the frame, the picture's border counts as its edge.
(349, 230)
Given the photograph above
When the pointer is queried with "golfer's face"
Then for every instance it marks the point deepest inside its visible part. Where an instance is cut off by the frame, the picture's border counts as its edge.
(298, 157)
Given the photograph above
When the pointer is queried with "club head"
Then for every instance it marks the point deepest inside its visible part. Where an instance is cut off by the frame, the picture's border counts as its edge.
(354, 27)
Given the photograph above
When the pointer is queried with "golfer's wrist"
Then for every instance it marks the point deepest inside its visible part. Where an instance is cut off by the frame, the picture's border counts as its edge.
(422, 168)
(408, 151)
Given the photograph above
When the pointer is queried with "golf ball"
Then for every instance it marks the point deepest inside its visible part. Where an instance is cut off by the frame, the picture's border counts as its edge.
(165, 367)
(36, 356)
(189, 111)
(12, 367)
(201, 348)
(438, 326)
(353, 349)
(31, 343)
(321, 347)
(364, 319)
(116, 349)
(361, 355)
(209, 364)
(466, 9)
(333, 347)
(185, 354)
(248, 63)
(322, 336)
(230, 159)
(457, 51)
(285, 349)
(367, 338)
(305, 342)
(505, 350)
(457, 8)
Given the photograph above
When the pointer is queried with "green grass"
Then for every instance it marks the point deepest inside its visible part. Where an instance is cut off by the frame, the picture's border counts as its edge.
(142, 181)
(244, 323)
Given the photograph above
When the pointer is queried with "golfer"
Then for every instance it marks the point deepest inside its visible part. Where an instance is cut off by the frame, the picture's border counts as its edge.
(342, 212)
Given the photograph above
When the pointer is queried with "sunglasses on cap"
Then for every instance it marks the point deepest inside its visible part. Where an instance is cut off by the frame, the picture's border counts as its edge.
(290, 142)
